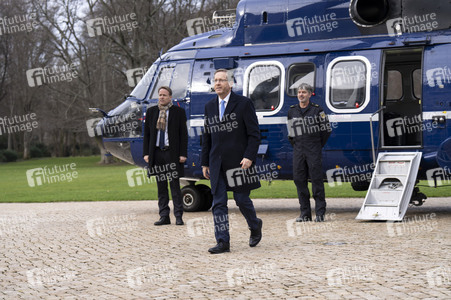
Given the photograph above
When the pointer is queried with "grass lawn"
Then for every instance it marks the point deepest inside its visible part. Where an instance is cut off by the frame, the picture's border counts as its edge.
(96, 182)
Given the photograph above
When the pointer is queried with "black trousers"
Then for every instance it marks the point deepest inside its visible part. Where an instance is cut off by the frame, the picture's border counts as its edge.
(166, 166)
(305, 165)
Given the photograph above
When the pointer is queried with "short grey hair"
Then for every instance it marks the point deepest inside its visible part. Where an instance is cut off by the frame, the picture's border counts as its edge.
(306, 86)
(228, 72)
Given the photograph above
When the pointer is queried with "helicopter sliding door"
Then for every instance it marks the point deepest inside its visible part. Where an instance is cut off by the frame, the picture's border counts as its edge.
(351, 90)
(401, 91)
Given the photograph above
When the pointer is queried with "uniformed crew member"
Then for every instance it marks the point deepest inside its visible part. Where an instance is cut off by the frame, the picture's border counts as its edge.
(309, 130)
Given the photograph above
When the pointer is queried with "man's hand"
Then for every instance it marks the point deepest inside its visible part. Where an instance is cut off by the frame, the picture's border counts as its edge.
(206, 172)
(146, 158)
(245, 163)
(182, 159)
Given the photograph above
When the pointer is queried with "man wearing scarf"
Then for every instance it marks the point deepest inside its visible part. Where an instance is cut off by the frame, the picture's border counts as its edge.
(165, 148)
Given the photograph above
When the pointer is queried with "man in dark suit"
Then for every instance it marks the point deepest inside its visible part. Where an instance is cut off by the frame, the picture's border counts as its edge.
(165, 150)
(229, 148)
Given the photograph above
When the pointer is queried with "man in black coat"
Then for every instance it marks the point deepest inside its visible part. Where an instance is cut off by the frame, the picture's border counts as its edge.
(229, 148)
(309, 130)
(165, 150)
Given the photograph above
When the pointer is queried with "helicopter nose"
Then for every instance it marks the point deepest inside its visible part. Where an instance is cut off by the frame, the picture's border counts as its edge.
(120, 131)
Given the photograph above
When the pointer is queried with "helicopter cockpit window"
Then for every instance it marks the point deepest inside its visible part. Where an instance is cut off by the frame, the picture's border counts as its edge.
(164, 78)
(174, 76)
(300, 73)
(348, 84)
(263, 88)
(141, 88)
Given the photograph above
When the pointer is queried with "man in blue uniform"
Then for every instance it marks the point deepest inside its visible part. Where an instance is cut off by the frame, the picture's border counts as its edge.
(309, 130)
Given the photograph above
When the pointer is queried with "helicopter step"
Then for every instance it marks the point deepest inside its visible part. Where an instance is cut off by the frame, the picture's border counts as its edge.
(391, 186)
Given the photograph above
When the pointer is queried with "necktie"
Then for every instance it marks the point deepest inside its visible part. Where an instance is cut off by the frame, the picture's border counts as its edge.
(161, 141)
(221, 113)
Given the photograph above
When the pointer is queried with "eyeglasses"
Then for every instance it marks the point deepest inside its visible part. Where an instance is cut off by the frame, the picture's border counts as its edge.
(220, 80)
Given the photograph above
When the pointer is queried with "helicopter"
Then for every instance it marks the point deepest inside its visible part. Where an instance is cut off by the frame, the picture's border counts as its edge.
(381, 70)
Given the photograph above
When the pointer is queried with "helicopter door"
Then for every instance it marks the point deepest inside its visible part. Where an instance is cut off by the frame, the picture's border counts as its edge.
(401, 120)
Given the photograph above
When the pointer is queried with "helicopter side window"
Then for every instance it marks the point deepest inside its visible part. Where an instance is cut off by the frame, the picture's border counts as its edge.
(300, 73)
(348, 84)
(179, 82)
(264, 87)
(416, 77)
(394, 85)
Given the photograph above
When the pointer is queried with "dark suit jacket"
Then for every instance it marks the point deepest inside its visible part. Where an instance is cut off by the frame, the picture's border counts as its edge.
(177, 134)
(225, 143)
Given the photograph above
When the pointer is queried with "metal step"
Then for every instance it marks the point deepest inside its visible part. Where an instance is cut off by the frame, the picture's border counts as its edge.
(391, 186)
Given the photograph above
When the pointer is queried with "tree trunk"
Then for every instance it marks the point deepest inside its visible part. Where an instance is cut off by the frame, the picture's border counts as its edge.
(26, 145)
(105, 157)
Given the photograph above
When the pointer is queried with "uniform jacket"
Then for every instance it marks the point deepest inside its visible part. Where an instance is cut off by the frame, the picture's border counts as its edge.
(226, 142)
(308, 131)
(177, 135)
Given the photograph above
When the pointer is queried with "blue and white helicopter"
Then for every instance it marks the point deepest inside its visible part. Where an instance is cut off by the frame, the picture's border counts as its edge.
(381, 69)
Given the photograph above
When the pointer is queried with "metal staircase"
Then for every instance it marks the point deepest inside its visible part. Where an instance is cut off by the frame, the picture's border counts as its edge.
(391, 186)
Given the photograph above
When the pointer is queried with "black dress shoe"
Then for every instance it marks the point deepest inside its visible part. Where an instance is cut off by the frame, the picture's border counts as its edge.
(221, 247)
(303, 219)
(319, 218)
(256, 234)
(179, 221)
(163, 221)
